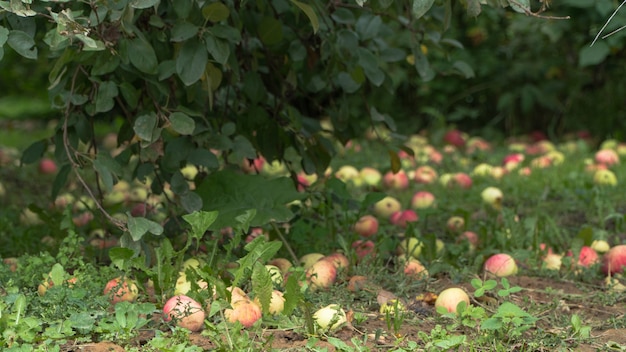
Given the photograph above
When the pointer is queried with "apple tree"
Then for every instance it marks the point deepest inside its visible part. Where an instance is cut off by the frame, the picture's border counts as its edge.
(215, 84)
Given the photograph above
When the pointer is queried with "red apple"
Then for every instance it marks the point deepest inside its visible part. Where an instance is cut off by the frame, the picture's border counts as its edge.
(607, 157)
(462, 180)
(614, 261)
(245, 311)
(587, 257)
(366, 226)
(120, 290)
(422, 200)
(501, 265)
(322, 274)
(47, 166)
(450, 299)
(425, 174)
(396, 181)
(403, 217)
(185, 312)
(415, 269)
(364, 249)
(339, 260)
(455, 137)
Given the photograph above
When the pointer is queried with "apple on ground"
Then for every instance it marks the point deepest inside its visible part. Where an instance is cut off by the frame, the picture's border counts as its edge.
(397, 181)
(330, 318)
(411, 247)
(364, 249)
(245, 312)
(348, 173)
(455, 137)
(455, 224)
(552, 261)
(185, 312)
(422, 200)
(605, 178)
(308, 260)
(370, 176)
(339, 260)
(608, 157)
(387, 206)
(403, 217)
(121, 289)
(366, 226)
(614, 261)
(322, 274)
(600, 246)
(450, 298)
(492, 196)
(281, 263)
(415, 269)
(501, 265)
(425, 174)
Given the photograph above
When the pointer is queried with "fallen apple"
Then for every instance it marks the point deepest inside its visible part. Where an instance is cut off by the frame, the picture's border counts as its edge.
(422, 200)
(339, 260)
(587, 257)
(245, 312)
(604, 177)
(411, 247)
(121, 289)
(322, 274)
(387, 206)
(492, 196)
(366, 226)
(308, 260)
(501, 265)
(450, 299)
(281, 263)
(276, 274)
(403, 217)
(614, 260)
(184, 312)
(330, 318)
(415, 269)
(552, 261)
(364, 249)
(397, 181)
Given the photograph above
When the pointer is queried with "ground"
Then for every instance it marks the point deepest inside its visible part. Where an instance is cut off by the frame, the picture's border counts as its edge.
(556, 297)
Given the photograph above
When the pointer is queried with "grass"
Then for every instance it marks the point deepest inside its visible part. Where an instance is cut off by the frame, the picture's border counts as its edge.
(537, 309)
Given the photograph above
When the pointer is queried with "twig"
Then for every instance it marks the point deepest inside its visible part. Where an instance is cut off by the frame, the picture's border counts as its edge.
(284, 240)
(607, 23)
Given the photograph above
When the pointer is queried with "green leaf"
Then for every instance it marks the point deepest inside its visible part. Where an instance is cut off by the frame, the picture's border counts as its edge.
(232, 194)
(310, 13)
(491, 324)
(262, 285)
(218, 48)
(420, 7)
(229, 33)
(422, 65)
(473, 8)
(182, 123)
(253, 87)
(215, 12)
(369, 62)
(34, 152)
(191, 61)
(345, 81)
(464, 68)
(60, 180)
(90, 44)
(140, 226)
(521, 6)
(259, 250)
(191, 202)
(57, 274)
(203, 157)
(23, 44)
(107, 91)
(200, 222)
(142, 56)
(119, 256)
(270, 30)
(146, 127)
(293, 295)
(385, 118)
(182, 31)
(593, 55)
(143, 4)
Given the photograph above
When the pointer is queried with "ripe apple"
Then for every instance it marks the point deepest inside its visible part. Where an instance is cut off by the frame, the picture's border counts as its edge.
(501, 265)
(512, 161)
(364, 249)
(366, 226)
(330, 318)
(185, 312)
(281, 263)
(587, 257)
(450, 299)
(411, 247)
(607, 157)
(47, 166)
(347, 173)
(455, 224)
(308, 260)
(462, 180)
(245, 312)
(455, 137)
(370, 176)
(600, 246)
(493, 197)
(252, 166)
(387, 206)
(277, 303)
(552, 261)
(403, 217)
(339, 260)
(604, 178)
(425, 174)
(422, 200)
(482, 169)
(183, 285)
(614, 260)
(322, 274)
(121, 289)
(30, 218)
(415, 269)
(470, 237)
(397, 181)
(44, 286)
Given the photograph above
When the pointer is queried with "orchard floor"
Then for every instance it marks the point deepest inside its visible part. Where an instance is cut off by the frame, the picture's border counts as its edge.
(550, 298)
